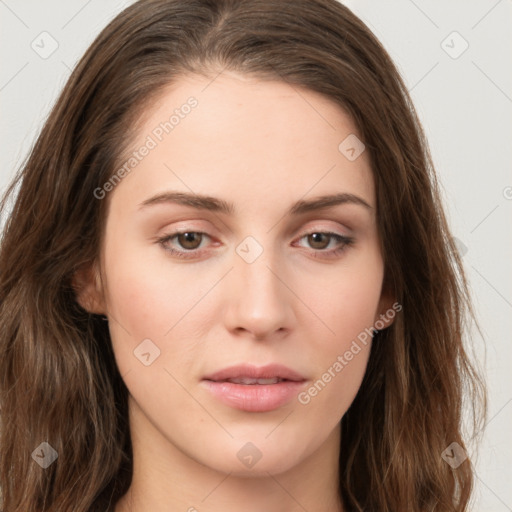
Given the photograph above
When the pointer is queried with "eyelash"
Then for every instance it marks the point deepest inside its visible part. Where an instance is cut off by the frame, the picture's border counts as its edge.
(345, 242)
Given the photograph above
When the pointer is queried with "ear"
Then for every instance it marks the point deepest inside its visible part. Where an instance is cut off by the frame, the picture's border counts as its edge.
(89, 289)
(387, 310)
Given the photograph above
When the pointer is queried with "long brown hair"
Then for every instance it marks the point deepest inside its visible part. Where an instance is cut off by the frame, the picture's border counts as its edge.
(59, 380)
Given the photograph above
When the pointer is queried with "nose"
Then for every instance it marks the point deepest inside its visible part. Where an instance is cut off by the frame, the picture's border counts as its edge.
(258, 298)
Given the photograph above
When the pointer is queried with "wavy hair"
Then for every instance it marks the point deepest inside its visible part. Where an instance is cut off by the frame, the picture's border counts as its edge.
(59, 382)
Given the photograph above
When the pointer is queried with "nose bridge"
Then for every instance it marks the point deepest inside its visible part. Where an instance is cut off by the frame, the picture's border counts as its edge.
(254, 263)
(261, 300)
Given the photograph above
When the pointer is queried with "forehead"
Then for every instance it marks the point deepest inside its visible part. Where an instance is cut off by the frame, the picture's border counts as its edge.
(246, 138)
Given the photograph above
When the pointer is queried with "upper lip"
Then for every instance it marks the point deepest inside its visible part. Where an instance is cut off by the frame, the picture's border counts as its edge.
(256, 372)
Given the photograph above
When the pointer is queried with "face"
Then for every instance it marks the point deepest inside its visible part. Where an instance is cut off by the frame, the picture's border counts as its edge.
(254, 278)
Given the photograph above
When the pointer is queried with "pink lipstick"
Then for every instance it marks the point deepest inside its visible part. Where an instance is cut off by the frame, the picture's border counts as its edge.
(255, 389)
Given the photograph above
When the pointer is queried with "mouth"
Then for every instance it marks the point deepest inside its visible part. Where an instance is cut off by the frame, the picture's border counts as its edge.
(250, 374)
(248, 381)
(255, 389)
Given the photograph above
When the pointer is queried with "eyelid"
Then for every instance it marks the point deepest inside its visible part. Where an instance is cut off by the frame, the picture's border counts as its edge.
(206, 226)
(344, 231)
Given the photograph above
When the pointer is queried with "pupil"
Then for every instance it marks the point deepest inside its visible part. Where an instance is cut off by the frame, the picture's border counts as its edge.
(317, 238)
(189, 239)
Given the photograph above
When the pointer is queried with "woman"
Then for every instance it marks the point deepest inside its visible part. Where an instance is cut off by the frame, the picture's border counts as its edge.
(227, 279)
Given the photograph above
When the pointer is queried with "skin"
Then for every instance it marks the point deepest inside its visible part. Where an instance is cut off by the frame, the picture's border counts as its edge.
(262, 145)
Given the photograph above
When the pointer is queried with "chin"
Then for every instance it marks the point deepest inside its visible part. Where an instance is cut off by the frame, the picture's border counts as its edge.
(257, 458)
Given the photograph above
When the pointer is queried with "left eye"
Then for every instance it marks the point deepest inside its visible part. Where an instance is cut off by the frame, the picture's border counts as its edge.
(317, 239)
(190, 241)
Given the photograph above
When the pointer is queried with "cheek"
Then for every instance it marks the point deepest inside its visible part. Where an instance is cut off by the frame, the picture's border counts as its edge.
(151, 339)
(341, 354)
(345, 301)
(330, 395)
(347, 305)
(147, 292)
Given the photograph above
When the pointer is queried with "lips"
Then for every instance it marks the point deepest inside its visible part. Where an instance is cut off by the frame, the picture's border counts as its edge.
(252, 389)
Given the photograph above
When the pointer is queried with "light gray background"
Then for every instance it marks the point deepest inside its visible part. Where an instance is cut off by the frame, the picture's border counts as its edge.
(464, 102)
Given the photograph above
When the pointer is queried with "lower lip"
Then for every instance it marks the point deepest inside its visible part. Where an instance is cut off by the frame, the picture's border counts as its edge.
(255, 397)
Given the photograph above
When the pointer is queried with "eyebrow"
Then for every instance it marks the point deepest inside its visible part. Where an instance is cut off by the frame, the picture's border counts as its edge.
(214, 204)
